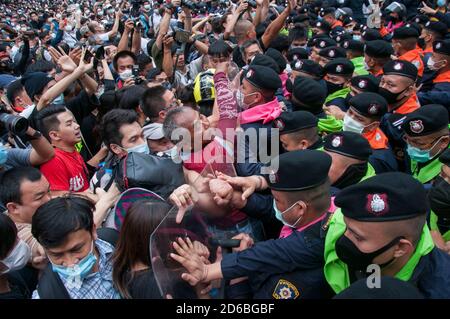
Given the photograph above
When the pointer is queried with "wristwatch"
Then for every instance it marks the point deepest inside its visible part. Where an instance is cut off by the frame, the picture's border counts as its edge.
(37, 135)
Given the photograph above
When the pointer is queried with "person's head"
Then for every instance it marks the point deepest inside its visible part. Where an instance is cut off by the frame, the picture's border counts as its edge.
(440, 59)
(249, 49)
(354, 49)
(157, 101)
(157, 77)
(308, 95)
(219, 52)
(64, 226)
(131, 100)
(426, 132)
(338, 74)
(124, 61)
(17, 96)
(156, 140)
(244, 30)
(433, 31)
(145, 64)
(36, 84)
(328, 15)
(306, 69)
(259, 86)
(59, 126)
(300, 200)
(376, 54)
(384, 217)
(298, 37)
(22, 191)
(187, 128)
(140, 222)
(121, 132)
(404, 40)
(42, 66)
(34, 16)
(398, 82)
(350, 154)
(14, 253)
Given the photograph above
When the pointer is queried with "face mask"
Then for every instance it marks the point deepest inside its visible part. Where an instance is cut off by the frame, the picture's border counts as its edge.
(279, 215)
(125, 75)
(421, 43)
(142, 148)
(390, 97)
(347, 252)
(431, 64)
(147, 7)
(352, 125)
(68, 28)
(100, 13)
(357, 37)
(440, 3)
(240, 99)
(421, 156)
(80, 270)
(333, 87)
(17, 258)
(351, 176)
(59, 99)
(3, 154)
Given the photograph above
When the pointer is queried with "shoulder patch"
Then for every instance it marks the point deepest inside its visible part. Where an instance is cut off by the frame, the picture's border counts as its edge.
(285, 290)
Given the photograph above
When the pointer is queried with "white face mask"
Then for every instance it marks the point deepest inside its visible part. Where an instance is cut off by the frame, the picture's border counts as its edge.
(68, 28)
(431, 64)
(17, 258)
(352, 125)
(126, 74)
(147, 7)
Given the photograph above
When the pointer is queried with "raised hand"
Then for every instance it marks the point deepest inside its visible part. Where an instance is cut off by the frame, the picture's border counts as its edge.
(188, 257)
(64, 61)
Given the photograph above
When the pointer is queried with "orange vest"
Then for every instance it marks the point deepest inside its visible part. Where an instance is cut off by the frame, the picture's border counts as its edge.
(409, 106)
(337, 23)
(442, 77)
(383, 31)
(415, 57)
(378, 74)
(428, 50)
(377, 139)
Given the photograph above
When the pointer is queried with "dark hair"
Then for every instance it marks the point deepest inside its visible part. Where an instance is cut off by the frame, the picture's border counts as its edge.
(8, 235)
(61, 216)
(41, 66)
(112, 122)
(170, 123)
(11, 180)
(186, 95)
(142, 60)
(246, 45)
(141, 220)
(152, 102)
(297, 33)
(131, 97)
(13, 90)
(47, 119)
(280, 43)
(123, 54)
(217, 25)
(220, 49)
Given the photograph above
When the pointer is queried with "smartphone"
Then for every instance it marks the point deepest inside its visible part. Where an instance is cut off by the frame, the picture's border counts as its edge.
(88, 56)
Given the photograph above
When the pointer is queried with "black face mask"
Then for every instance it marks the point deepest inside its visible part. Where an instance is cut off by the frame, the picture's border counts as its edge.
(351, 176)
(333, 87)
(6, 66)
(355, 259)
(390, 97)
(421, 43)
(439, 198)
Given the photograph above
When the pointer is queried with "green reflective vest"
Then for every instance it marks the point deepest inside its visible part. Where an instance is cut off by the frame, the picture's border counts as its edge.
(434, 226)
(427, 173)
(359, 66)
(329, 125)
(336, 271)
(341, 93)
(369, 173)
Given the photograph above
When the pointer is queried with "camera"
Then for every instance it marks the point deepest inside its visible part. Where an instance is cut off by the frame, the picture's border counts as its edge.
(135, 72)
(184, 3)
(13, 123)
(135, 8)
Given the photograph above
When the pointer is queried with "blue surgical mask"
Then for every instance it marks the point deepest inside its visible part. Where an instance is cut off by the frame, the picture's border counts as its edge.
(3, 154)
(279, 215)
(440, 3)
(80, 270)
(142, 148)
(418, 155)
(59, 99)
(357, 37)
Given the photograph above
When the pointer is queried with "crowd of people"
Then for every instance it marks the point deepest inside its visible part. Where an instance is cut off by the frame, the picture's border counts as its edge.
(115, 113)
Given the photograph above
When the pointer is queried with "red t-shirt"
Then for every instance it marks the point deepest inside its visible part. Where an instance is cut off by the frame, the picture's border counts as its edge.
(66, 172)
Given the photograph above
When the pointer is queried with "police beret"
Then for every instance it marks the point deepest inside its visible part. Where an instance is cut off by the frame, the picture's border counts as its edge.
(421, 19)
(324, 11)
(442, 47)
(415, 26)
(307, 66)
(277, 57)
(300, 18)
(322, 43)
(297, 54)
(342, 38)
(263, 77)
(445, 157)
(309, 93)
(289, 122)
(437, 27)
(333, 53)
(365, 83)
(323, 25)
(405, 33)
(371, 35)
(369, 104)
(385, 197)
(340, 66)
(348, 144)
(426, 120)
(353, 45)
(267, 61)
(400, 67)
(314, 164)
(378, 49)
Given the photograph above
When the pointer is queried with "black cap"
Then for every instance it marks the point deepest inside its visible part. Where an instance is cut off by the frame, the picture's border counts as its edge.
(385, 197)
(290, 122)
(309, 93)
(348, 144)
(341, 38)
(333, 53)
(402, 68)
(437, 27)
(421, 18)
(263, 77)
(324, 11)
(371, 35)
(297, 54)
(378, 49)
(277, 57)
(405, 33)
(415, 26)
(365, 83)
(307, 66)
(369, 104)
(35, 82)
(445, 157)
(442, 47)
(353, 45)
(340, 66)
(267, 61)
(316, 163)
(426, 120)
(323, 25)
(322, 43)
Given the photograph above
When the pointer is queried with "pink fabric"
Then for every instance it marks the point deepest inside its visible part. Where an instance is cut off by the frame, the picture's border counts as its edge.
(286, 231)
(284, 77)
(264, 112)
(391, 27)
